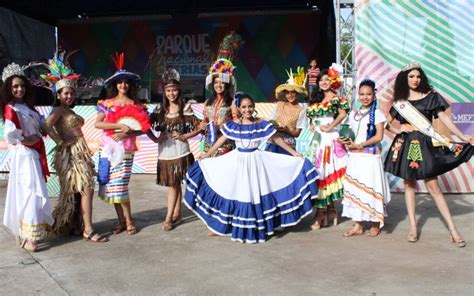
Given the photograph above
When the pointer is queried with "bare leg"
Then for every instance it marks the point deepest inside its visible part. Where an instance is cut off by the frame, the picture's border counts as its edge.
(86, 209)
(177, 216)
(172, 197)
(410, 186)
(127, 213)
(433, 187)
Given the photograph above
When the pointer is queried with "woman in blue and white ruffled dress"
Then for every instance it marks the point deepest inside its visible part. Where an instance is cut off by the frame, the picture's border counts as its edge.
(248, 193)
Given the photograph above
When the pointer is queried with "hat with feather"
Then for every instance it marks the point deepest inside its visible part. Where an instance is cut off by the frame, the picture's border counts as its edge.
(295, 82)
(121, 72)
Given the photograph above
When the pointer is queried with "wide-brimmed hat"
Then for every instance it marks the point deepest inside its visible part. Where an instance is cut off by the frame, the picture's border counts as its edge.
(295, 82)
(121, 73)
(223, 67)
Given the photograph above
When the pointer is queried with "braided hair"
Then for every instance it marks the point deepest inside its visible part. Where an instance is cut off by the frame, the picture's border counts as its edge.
(371, 130)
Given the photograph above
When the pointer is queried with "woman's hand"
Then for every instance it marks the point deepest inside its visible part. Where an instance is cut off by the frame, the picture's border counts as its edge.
(407, 128)
(325, 128)
(178, 136)
(203, 125)
(282, 129)
(298, 155)
(124, 128)
(469, 139)
(118, 136)
(202, 156)
(350, 145)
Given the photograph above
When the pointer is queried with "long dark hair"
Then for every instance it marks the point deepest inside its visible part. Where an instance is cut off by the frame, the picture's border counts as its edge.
(228, 96)
(57, 103)
(240, 97)
(7, 93)
(317, 96)
(112, 90)
(402, 91)
(371, 130)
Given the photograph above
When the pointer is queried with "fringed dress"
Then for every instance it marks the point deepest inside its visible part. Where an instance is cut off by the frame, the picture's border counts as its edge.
(75, 170)
(174, 156)
(27, 206)
(366, 187)
(294, 118)
(247, 193)
(119, 156)
(413, 156)
(328, 155)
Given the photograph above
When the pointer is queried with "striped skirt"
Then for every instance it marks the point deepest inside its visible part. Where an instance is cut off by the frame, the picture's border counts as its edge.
(116, 190)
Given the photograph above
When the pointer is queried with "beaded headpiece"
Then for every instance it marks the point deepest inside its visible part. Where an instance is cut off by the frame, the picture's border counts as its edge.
(12, 69)
(412, 65)
(170, 76)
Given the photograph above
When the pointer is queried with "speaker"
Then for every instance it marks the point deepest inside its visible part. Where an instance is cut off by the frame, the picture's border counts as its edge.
(89, 95)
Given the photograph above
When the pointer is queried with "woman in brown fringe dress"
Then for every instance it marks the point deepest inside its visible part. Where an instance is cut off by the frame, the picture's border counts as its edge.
(73, 164)
(176, 123)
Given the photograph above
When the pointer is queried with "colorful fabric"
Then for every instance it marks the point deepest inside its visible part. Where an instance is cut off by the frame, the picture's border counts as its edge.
(323, 109)
(116, 190)
(313, 75)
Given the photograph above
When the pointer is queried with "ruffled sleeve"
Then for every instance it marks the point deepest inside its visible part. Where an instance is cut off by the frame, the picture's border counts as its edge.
(104, 106)
(12, 131)
(436, 103)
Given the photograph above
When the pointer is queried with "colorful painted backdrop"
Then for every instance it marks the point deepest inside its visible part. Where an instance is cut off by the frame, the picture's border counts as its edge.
(273, 43)
(438, 34)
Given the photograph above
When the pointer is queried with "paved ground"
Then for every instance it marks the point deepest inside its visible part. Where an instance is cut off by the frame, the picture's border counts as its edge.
(297, 262)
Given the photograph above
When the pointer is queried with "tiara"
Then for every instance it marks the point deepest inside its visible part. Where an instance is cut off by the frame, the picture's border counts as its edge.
(12, 69)
(412, 65)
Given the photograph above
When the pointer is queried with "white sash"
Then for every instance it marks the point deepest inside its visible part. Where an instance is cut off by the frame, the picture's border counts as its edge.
(419, 121)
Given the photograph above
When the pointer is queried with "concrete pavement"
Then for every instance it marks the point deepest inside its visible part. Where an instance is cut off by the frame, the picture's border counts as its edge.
(296, 262)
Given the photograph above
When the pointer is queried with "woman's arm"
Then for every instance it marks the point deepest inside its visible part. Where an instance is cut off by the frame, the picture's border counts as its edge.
(377, 138)
(446, 119)
(214, 147)
(279, 141)
(340, 117)
(48, 126)
(294, 133)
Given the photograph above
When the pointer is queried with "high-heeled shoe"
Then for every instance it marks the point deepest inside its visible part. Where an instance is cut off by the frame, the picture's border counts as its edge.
(320, 219)
(460, 243)
(412, 237)
(332, 215)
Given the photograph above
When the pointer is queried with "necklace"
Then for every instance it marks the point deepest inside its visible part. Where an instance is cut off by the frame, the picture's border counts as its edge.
(359, 114)
(241, 138)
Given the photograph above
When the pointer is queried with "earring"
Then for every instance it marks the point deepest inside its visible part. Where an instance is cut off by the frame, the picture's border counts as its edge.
(255, 113)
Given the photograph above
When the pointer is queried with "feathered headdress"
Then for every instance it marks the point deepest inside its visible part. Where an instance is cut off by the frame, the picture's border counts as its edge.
(12, 69)
(223, 67)
(59, 76)
(121, 73)
(170, 77)
(295, 82)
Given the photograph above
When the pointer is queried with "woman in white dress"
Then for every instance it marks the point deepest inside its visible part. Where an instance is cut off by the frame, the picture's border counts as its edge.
(366, 187)
(248, 193)
(27, 207)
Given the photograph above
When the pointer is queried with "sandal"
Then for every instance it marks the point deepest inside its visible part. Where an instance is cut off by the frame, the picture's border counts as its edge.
(374, 231)
(460, 242)
(28, 245)
(167, 226)
(94, 237)
(131, 229)
(178, 220)
(320, 219)
(412, 237)
(353, 232)
(118, 228)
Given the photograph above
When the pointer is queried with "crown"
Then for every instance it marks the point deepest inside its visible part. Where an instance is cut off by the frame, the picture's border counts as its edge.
(412, 65)
(12, 69)
(170, 75)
